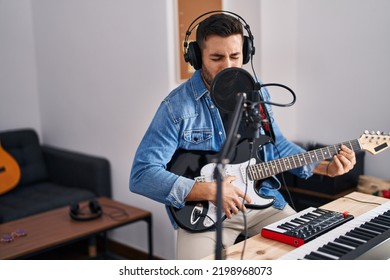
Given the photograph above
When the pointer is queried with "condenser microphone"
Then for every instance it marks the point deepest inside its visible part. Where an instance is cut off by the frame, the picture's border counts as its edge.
(227, 84)
(225, 87)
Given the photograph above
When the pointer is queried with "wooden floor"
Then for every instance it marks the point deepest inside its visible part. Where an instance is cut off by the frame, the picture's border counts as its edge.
(79, 251)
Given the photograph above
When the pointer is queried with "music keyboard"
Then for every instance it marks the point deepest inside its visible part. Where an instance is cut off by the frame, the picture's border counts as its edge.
(348, 241)
(304, 226)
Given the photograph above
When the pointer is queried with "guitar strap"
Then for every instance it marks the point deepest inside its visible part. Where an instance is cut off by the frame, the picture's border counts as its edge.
(266, 122)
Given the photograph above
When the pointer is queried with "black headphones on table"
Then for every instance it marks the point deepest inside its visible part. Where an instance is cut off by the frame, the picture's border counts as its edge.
(192, 53)
(95, 211)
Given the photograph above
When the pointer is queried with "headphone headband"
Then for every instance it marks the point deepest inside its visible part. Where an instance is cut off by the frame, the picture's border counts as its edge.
(189, 29)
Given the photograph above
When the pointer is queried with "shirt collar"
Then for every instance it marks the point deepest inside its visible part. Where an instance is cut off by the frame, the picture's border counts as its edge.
(199, 88)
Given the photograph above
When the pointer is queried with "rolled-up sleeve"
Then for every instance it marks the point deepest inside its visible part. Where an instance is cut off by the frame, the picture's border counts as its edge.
(148, 175)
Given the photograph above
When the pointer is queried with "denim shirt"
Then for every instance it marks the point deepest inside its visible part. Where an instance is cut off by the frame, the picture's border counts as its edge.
(187, 119)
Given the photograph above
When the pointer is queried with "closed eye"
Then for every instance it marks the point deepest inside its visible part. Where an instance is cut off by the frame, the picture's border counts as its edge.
(219, 57)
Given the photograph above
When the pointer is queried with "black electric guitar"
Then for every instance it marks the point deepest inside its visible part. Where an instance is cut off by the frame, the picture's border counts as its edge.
(197, 216)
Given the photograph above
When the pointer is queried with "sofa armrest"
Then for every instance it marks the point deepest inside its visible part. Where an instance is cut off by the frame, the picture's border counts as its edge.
(75, 169)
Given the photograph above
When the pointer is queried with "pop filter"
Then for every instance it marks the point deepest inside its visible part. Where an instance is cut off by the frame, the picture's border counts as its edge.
(227, 84)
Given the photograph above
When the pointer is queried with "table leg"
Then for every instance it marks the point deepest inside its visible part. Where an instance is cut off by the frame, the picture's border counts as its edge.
(150, 236)
(92, 247)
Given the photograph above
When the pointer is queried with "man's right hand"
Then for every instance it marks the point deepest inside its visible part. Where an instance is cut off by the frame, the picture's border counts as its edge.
(233, 198)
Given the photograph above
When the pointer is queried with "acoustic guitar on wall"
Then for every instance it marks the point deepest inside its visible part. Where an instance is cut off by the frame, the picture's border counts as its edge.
(9, 171)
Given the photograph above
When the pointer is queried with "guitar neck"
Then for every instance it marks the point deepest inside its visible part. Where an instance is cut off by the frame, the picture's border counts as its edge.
(267, 169)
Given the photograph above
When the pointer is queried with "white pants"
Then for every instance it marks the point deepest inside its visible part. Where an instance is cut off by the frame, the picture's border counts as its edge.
(199, 245)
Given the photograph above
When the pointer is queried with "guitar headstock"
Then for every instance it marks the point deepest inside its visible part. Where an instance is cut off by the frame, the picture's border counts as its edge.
(374, 142)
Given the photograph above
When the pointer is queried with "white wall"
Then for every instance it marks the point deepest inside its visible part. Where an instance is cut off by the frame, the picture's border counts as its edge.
(277, 57)
(334, 55)
(343, 67)
(19, 100)
(89, 75)
(102, 71)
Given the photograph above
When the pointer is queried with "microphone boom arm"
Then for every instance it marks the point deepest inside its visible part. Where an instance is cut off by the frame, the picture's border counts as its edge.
(229, 145)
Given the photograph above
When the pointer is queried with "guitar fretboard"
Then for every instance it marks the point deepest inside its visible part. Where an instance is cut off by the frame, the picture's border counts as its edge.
(267, 169)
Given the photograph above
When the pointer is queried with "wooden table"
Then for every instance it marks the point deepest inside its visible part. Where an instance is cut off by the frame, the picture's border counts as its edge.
(55, 228)
(260, 248)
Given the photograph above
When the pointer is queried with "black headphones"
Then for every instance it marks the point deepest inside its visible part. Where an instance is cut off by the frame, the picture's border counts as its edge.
(95, 211)
(192, 53)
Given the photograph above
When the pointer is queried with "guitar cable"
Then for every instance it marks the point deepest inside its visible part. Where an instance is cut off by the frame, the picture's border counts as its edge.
(362, 201)
(279, 105)
(285, 184)
(251, 149)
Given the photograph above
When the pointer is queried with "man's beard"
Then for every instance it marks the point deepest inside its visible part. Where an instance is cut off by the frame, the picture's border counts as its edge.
(207, 79)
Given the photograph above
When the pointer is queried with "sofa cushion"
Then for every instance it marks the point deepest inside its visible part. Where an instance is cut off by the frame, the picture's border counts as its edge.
(24, 146)
(37, 198)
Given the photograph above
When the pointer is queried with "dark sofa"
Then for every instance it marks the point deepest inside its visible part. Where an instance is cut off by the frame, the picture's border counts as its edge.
(50, 177)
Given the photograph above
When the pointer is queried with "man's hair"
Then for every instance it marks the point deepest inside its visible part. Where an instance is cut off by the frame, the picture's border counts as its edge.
(218, 24)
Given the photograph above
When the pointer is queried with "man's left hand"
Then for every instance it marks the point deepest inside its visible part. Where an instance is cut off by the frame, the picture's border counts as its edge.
(341, 163)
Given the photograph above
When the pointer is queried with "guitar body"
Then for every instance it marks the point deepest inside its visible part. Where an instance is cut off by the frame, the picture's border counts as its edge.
(9, 172)
(198, 216)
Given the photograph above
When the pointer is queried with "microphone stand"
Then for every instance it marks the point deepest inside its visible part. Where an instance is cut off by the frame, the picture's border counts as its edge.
(230, 143)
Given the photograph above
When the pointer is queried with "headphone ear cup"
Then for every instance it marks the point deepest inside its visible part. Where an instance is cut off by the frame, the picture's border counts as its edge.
(74, 210)
(194, 55)
(95, 211)
(95, 208)
(247, 50)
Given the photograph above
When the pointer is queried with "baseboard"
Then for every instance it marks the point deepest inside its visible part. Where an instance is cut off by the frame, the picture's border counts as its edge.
(127, 252)
(84, 250)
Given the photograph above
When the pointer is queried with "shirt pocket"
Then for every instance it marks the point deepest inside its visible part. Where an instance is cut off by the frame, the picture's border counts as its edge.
(198, 138)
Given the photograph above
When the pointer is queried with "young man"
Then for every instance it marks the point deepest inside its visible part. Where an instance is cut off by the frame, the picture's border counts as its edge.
(187, 119)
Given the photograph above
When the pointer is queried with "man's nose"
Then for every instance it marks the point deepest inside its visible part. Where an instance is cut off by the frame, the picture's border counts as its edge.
(228, 63)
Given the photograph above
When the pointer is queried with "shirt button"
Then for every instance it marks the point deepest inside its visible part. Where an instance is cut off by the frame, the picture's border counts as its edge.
(212, 106)
(220, 133)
